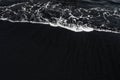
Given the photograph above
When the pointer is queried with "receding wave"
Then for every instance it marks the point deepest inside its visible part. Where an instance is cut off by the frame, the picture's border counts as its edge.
(69, 17)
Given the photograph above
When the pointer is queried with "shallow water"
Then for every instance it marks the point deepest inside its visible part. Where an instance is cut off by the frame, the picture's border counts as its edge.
(77, 15)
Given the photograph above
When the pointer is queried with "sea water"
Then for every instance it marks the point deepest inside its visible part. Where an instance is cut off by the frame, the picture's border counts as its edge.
(98, 16)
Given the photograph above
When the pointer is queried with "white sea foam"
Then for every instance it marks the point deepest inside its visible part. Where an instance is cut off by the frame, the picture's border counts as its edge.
(77, 20)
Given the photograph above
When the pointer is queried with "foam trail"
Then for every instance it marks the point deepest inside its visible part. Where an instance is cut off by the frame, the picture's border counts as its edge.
(55, 15)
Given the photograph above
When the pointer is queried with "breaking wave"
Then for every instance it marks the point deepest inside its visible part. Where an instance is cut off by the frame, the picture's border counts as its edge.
(56, 14)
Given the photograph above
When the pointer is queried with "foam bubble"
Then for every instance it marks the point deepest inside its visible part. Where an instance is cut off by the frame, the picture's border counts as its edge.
(54, 14)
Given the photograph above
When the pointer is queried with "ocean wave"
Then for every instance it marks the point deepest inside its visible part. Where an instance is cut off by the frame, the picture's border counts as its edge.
(70, 17)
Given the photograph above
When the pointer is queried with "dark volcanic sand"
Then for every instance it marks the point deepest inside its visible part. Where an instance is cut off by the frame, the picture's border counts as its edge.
(38, 52)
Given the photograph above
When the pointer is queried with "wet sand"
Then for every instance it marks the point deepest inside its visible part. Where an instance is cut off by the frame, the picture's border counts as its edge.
(42, 52)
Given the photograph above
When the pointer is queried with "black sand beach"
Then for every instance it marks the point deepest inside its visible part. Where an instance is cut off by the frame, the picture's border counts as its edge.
(37, 52)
